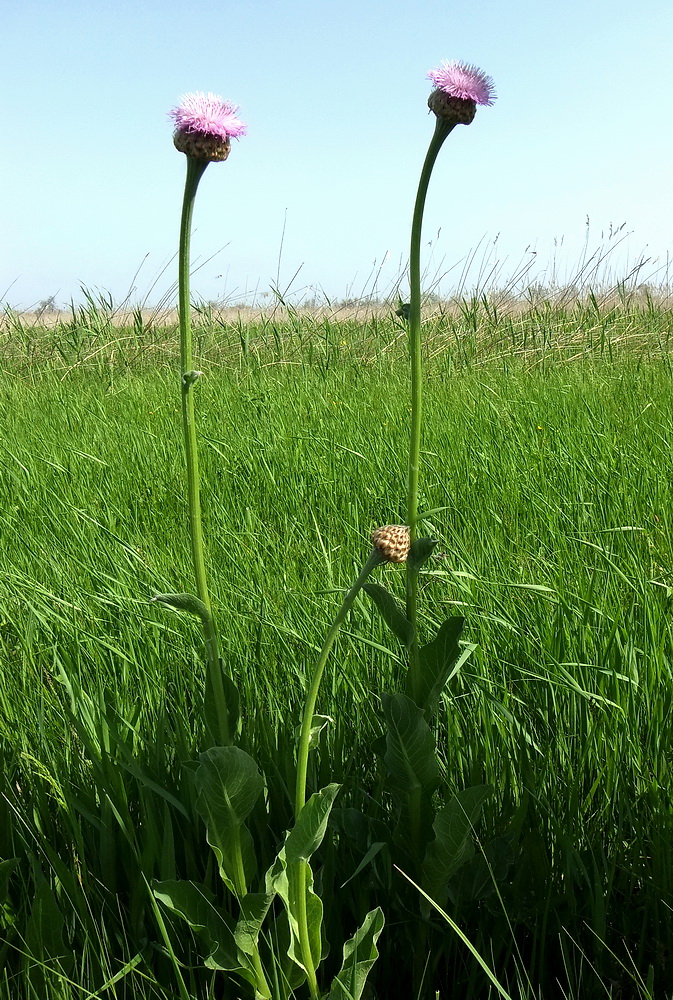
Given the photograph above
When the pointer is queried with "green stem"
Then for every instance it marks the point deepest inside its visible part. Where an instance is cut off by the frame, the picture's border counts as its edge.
(301, 873)
(442, 130)
(195, 169)
(241, 889)
(309, 708)
(262, 986)
(238, 874)
(301, 869)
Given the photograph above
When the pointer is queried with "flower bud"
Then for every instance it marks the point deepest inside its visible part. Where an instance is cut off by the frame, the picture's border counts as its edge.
(392, 542)
(202, 146)
(459, 87)
(205, 125)
(455, 110)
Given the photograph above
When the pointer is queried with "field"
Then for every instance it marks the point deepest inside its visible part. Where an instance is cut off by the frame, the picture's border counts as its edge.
(546, 477)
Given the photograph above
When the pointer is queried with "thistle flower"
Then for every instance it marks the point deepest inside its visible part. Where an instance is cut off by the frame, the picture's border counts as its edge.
(392, 542)
(205, 125)
(459, 87)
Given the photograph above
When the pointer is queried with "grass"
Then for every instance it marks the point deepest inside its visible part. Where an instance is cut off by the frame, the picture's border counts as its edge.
(546, 476)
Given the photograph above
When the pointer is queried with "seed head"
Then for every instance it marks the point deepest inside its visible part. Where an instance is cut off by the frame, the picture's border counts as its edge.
(459, 87)
(392, 542)
(205, 125)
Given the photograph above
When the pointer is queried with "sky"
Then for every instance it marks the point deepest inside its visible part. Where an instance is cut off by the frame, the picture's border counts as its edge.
(573, 159)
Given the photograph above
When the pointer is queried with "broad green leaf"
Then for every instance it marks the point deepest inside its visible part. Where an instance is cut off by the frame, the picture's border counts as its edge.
(352, 822)
(194, 903)
(232, 946)
(307, 834)
(439, 660)
(391, 613)
(413, 770)
(291, 875)
(294, 884)
(183, 602)
(453, 845)
(481, 876)
(420, 551)
(360, 953)
(410, 755)
(363, 830)
(229, 784)
(254, 908)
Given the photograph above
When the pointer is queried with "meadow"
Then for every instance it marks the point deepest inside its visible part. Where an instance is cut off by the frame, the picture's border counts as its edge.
(546, 477)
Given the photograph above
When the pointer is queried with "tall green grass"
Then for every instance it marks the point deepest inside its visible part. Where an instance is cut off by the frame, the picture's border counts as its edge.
(547, 475)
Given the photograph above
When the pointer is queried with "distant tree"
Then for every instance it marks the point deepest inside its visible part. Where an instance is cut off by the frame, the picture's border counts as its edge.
(47, 305)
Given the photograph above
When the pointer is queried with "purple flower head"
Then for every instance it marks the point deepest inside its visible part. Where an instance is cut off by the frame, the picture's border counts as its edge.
(207, 115)
(464, 81)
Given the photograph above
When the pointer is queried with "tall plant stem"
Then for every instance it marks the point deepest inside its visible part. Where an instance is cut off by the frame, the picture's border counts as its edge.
(301, 871)
(442, 129)
(195, 169)
(374, 559)
(261, 985)
(301, 874)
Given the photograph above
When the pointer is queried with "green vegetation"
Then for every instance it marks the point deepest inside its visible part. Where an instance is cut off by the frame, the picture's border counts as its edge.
(547, 479)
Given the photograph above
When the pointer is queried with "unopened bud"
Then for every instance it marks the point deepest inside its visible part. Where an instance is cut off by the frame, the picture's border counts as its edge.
(189, 378)
(392, 542)
(202, 146)
(454, 110)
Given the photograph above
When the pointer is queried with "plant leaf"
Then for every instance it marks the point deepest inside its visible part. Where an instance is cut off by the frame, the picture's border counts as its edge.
(306, 836)
(318, 723)
(362, 830)
(254, 908)
(294, 883)
(439, 660)
(291, 875)
(481, 876)
(194, 903)
(410, 746)
(413, 769)
(453, 845)
(359, 955)
(391, 613)
(420, 551)
(183, 602)
(229, 784)
(368, 858)
(232, 946)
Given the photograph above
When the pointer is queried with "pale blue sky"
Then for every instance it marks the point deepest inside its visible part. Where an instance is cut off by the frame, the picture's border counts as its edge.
(334, 94)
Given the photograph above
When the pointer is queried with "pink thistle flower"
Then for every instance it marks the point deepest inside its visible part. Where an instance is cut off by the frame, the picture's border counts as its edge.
(464, 81)
(209, 114)
(205, 124)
